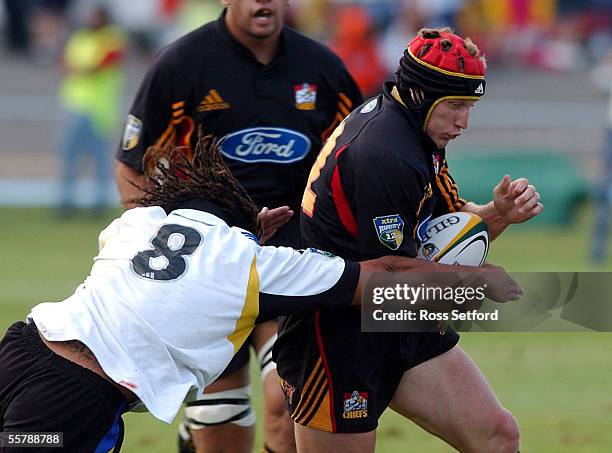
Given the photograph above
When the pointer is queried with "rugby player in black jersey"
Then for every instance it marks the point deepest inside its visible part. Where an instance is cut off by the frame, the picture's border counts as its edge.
(378, 180)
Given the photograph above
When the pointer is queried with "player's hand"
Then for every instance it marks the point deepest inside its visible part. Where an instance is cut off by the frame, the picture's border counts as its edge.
(500, 287)
(516, 201)
(270, 220)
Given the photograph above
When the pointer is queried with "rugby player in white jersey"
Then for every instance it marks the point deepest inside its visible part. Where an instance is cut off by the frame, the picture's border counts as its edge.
(175, 290)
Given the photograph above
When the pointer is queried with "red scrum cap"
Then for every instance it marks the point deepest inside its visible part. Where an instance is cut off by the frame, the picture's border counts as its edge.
(439, 65)
(445, 51)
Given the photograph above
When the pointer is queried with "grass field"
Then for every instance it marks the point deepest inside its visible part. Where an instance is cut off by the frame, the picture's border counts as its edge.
(559, 386)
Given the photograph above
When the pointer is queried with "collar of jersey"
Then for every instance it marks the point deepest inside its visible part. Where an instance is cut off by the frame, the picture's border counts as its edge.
(214, 213)
(224, 31)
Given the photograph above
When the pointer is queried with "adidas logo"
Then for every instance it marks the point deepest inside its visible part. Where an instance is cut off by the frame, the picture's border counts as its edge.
(212, 101)
(479, 90)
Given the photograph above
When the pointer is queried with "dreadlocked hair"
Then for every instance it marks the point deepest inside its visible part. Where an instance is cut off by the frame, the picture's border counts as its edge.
(177, 175)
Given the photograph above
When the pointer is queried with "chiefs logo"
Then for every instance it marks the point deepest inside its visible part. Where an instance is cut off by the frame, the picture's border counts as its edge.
(355, 405)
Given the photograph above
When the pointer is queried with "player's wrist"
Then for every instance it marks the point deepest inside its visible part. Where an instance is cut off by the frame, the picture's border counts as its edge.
(494, 216)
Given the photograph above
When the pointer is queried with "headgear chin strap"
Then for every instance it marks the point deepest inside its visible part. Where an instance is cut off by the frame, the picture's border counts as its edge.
(438, 65)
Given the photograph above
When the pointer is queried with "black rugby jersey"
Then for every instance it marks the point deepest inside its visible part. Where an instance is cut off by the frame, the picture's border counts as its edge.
(375, 184)
(274, 116)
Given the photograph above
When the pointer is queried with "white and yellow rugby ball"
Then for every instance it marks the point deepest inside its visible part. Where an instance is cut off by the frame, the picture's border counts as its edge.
(459, 238)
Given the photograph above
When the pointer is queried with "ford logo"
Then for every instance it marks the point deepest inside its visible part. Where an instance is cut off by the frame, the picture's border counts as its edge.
(265, 144)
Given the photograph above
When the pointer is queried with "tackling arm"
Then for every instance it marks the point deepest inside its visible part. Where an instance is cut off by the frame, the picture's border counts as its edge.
(292, 282)
(500, 287)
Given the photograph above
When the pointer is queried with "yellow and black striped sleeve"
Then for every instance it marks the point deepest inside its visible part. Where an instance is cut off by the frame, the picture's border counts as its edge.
(448, 190)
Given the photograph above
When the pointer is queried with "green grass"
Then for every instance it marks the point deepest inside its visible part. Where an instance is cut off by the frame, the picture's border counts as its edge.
(557, 385)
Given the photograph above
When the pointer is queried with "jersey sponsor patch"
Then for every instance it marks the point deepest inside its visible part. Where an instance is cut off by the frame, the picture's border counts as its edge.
(131, 134)
(355, 405)
(369, 106)
(250, 236)
(322, 252)
(390, 230)
(305, 96)
(265, 144)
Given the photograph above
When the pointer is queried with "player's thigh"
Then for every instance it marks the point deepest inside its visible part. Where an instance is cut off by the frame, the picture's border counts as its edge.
(449, 397)
(274, 397)
(263, 341)
(312, 440)
(278, 426)
(236, 379)
(263, 333)
(53, 394)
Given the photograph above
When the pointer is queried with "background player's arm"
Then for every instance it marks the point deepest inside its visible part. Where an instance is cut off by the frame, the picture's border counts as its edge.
(514, 201)
(129, 183)
(348, 97)
(150, 118)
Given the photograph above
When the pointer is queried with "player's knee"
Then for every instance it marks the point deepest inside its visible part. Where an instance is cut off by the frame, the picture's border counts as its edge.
(275, 408)
(228, 406)
(277, 423)
(506, 436)
(275, 405)
(278, 429)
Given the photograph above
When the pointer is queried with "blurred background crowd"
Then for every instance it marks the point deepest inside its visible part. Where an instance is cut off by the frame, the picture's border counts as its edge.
(559, 35)
(547, 114)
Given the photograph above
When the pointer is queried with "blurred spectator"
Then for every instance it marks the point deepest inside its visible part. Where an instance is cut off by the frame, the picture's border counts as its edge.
(90, 94)
(49, 28)
(408, 19)
(508, 28)
(309, 16)
(439, 13)
(191, 15)
(602, 76)
(549, 34)
(16, 25)
(147, 21)
(355, 43)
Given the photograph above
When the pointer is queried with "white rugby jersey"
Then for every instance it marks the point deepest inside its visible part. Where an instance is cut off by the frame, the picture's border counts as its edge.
(171, 298)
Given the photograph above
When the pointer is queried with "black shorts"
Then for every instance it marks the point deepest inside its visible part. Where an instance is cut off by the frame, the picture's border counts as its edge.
(288, 236)
(338, 379)
(43, 392)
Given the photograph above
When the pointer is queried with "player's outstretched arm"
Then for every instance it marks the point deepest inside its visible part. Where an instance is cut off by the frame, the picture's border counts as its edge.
(500, 287)
(292, 282)
(514, 201)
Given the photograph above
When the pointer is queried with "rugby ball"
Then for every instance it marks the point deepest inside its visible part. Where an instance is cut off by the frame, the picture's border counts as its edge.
(459, 238)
